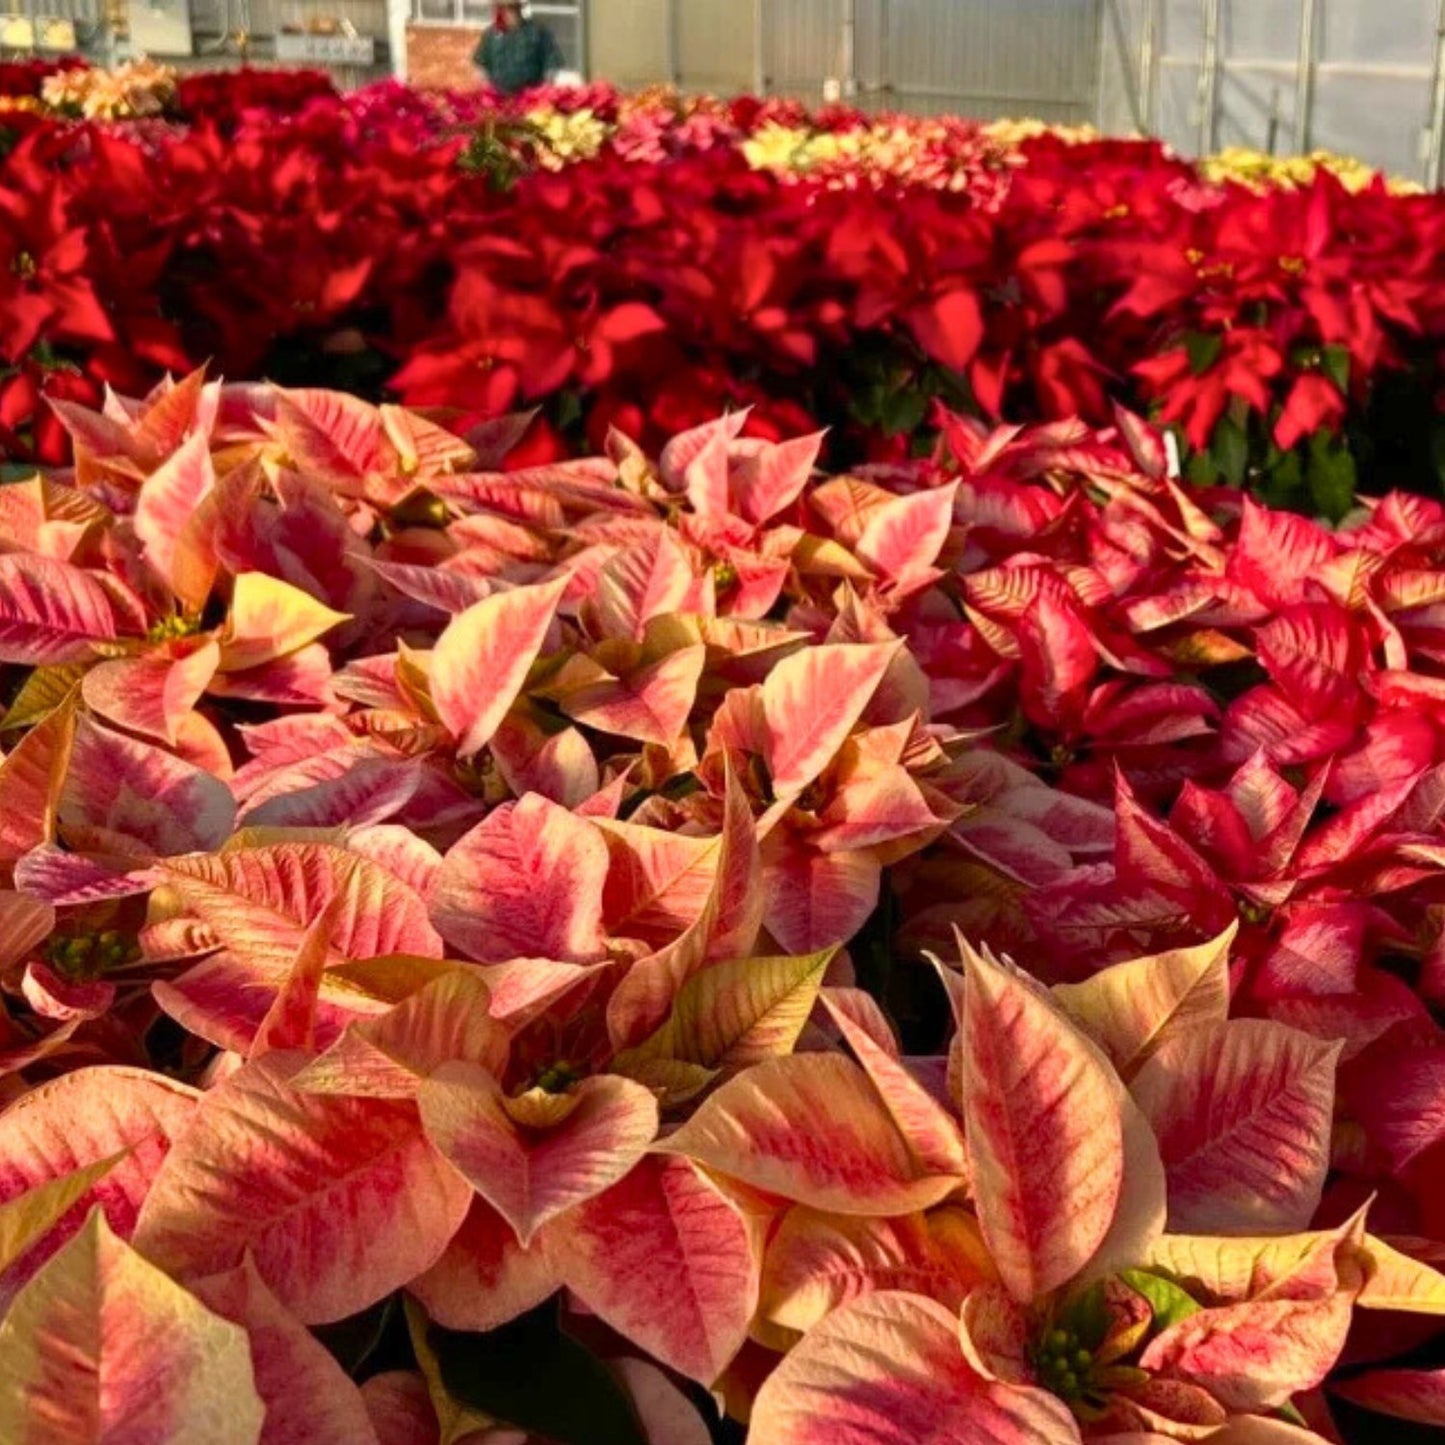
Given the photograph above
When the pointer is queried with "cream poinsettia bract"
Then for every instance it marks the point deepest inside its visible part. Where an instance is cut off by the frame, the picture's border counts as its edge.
(1089, 1222)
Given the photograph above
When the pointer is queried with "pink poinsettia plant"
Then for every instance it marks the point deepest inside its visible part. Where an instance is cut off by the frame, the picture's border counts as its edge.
(1128, 1253)
(461, 925)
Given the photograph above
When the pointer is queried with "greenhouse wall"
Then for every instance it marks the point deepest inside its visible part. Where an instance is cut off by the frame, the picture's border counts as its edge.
(1335, 74)
(1281, 75)
(971, 57)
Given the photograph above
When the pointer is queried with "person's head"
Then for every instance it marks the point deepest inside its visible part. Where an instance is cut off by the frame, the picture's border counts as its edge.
(509, 13)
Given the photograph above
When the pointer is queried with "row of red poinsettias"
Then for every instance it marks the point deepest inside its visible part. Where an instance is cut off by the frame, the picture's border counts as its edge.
(391, 238)
(458, 901)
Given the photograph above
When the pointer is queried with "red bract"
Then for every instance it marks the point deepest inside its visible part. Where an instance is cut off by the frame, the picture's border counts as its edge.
(45, 271)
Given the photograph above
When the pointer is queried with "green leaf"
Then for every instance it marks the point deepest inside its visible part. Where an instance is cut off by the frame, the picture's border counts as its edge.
(569, 410)
(1203, 348)
(1230, 449)
(867, 403)
(1169, 1303)
(531, 1375)
(1330, 473)
(1283, 481)
(904, 411)
(1335, 363)
(1200, 469)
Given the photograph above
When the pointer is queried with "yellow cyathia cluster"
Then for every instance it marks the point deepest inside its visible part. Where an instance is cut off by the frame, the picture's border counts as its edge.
(138, 88)
(21, 102)
(1258, 170)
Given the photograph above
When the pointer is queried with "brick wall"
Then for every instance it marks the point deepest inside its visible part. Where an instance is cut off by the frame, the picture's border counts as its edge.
(440, 56)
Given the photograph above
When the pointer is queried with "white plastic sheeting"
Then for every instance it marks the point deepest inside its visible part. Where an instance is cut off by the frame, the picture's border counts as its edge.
(1368, 86)
(982, 58)
(1126, 64)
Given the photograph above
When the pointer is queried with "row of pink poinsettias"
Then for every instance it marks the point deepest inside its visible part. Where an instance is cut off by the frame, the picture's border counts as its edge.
(473, 884)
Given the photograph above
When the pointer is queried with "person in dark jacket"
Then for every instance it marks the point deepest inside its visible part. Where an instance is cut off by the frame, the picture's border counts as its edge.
(517, 52)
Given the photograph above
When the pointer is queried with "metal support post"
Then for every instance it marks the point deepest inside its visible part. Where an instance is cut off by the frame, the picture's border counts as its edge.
(1435, 151)
(1209, 80)
(1129, 76)
(885, 52)
(760, 75)
(1149, 41)
(1304, 76)
(674, 49)
(849, 66)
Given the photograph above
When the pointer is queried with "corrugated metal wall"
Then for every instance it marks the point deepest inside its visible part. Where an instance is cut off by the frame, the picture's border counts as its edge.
(967, 57)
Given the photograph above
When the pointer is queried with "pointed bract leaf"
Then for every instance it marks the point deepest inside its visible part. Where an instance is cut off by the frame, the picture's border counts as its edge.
(481, 660)
(887, 1370)
(812, 701)
(1254, 1356)
(486, 1277)
(151, 695)
(290, 1023)
(526, 881)
(903, 537)
(169, 497)
(726, 921)
(388, 1057)
(32, 777)
(1131, 1008)
(929, 1128)
(818, 1262)
(734, 1014)
(259, 901)
(1242, 1112)
(308, 1398)
(26, 1218)
(140, 790)
(665, 1260)
(50, 612)
(340, 1201)
(811, 1128)
(101, 1348)
(1417, 1395)
(530, 1175)
(1043, 1120)
(270, 619)
(124, 1118)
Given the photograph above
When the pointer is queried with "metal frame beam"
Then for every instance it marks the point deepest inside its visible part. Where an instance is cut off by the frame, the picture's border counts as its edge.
(1304, 81)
